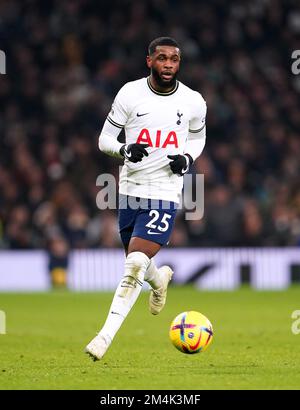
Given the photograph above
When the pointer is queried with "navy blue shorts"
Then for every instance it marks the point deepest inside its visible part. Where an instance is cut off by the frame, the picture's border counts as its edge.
(150, 219)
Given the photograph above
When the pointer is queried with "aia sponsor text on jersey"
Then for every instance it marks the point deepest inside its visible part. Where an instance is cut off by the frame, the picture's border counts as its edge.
(158, 140)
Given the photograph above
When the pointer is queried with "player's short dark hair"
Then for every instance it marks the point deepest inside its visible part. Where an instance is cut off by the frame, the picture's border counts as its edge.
(161, 41)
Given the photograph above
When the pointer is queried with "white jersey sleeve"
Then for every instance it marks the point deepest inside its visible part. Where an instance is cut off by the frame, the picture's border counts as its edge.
(108, 140)
(197, 128)
(197, 121)
(119, 113)
(116, 120)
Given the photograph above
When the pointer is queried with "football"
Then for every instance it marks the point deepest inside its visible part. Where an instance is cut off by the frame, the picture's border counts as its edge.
(191, 332)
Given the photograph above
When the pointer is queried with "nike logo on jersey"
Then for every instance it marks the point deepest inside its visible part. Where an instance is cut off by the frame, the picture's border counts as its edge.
(127, 154)
(153, 233)
(140, 115)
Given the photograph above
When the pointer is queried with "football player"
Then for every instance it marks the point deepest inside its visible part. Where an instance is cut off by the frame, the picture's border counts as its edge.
(164, 123)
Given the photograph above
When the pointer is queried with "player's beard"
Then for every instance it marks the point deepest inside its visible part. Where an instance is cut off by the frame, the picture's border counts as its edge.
(161, 82)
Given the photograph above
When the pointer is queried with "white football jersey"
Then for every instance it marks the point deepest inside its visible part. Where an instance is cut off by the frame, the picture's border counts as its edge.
(163, 121)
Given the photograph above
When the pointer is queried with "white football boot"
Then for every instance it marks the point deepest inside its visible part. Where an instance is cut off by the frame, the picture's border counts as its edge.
(97, 347)
(158, 296)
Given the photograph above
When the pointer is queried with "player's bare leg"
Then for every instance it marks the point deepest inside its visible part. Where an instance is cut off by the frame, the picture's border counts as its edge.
(149, 248)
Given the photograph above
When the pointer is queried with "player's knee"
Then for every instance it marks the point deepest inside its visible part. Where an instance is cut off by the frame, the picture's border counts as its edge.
(136, 265)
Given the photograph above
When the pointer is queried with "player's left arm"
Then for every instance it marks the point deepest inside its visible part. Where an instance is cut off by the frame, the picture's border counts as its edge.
(197, 129)
(195, 141)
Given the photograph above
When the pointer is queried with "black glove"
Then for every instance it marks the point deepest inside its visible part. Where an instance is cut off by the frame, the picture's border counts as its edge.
(180, 163)
(134, 152)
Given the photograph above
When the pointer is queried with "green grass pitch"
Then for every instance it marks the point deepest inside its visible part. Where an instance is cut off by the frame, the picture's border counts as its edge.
(253, 346)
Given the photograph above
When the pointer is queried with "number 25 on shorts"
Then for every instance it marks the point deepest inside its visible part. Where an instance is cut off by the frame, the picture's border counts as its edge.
(163, 225)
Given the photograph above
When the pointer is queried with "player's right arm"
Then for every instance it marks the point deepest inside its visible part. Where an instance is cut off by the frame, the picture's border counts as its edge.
(114, 123)
(108, 140)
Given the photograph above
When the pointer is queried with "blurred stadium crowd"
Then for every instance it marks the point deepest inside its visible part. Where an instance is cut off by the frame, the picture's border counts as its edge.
(66, 59)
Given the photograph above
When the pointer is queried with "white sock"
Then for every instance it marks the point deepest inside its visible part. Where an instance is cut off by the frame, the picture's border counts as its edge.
(126, 294)
(152, 275)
